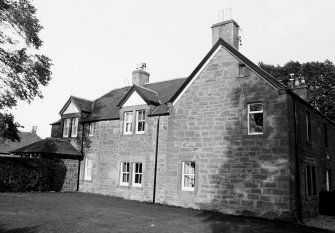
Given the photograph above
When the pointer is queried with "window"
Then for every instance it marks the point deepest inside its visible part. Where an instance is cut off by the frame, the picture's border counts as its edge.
(128, 123)
(242, 70)
(91, 129)
(310, 180)
(255, 118)
(66, 128)
(188, 176)
(88, 169)
(308, 126)
(140, 121)
(326, 134)
(124, 174)
(327, 180)
(137, 174)
(74, 129)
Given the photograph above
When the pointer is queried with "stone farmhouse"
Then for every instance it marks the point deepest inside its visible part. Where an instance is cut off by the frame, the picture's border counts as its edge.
(229, 138)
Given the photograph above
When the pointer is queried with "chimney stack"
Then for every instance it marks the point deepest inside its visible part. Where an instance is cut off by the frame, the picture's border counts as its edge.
(298, 86)
(228, 31)
(140, 76)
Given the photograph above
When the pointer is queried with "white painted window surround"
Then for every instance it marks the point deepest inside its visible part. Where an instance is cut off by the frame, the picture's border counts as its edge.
(137, 175)
(128, 122)
(66, 127)
(140, 122)
(255, 118)
(74, 128)
(88, 169)
(125, 172)
(188, 176)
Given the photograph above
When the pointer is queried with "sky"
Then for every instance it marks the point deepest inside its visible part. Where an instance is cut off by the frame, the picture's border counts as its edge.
(96, 44)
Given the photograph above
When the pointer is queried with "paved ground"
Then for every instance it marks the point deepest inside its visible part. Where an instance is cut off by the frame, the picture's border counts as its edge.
(79, 212)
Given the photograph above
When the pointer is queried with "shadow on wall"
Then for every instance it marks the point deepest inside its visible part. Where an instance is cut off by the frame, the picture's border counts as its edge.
(250, 175)
(58, 174)
(233, 224)
(34, 229)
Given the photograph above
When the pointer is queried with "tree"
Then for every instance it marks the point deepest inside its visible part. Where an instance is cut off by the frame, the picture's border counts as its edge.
(320, 81)
(22, 70)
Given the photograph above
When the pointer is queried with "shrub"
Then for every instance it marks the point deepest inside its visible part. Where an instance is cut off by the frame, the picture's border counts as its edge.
(23, 174)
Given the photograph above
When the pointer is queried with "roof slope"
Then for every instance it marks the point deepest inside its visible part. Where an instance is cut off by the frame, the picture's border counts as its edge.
(82, 104)
(106, 107)
(274, 82)
(50, 146)
(26, 139)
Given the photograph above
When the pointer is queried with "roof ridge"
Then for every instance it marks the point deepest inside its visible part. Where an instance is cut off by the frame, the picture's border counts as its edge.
(166, 80)
(81, 98)
(160, 102)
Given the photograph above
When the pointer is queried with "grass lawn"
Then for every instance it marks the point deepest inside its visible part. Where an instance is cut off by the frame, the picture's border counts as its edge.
(81, 212)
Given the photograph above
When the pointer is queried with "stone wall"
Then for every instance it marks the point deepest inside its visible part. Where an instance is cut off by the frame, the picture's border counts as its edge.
(315, 152)
(65, 174)
(235, 173)
(109, 148)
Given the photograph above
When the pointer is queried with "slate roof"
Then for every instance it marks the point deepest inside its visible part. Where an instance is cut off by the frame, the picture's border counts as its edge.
(50, 146)
(149, 96)
(82, 104)
(26, 139)
(57, 122)
(106, 107)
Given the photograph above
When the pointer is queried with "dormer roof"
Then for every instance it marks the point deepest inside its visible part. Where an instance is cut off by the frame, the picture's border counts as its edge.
(81, 104)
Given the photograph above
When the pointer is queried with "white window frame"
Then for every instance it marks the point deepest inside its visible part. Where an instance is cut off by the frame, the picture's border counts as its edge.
(139, 120)
(327, 180)
(66, 127)
(128, 122)
(91, 127)
(183, 174)
(88, 169)
(140, 173)
(255, 112)
(124, 172)
(74, 127)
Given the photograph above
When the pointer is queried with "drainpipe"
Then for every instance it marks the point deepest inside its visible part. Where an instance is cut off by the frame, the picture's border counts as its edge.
(156, 157)
(82, 152)
(297, 163)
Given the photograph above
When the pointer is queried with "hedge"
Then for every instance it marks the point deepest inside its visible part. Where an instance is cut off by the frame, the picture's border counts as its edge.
(24, 174)
(327, 202)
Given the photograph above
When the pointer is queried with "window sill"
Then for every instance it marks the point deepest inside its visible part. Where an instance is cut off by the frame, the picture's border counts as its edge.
(312, 198)
(87, 181)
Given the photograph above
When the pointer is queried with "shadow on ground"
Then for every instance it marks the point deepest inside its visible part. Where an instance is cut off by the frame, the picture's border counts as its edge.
(235, 224)
(34, 229)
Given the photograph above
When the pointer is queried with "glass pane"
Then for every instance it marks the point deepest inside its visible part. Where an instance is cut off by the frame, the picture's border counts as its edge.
(256, 107)
(140, 168)
(256, 123)
(140, 126)
(192, 168)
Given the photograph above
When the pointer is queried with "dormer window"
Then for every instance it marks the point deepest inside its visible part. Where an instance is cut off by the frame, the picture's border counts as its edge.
(74, 129)
(140, 121)
(128, 123)
(66, 128)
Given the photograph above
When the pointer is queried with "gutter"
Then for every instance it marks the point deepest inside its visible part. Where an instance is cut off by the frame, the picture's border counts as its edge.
(297, 164)
(156, 158)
